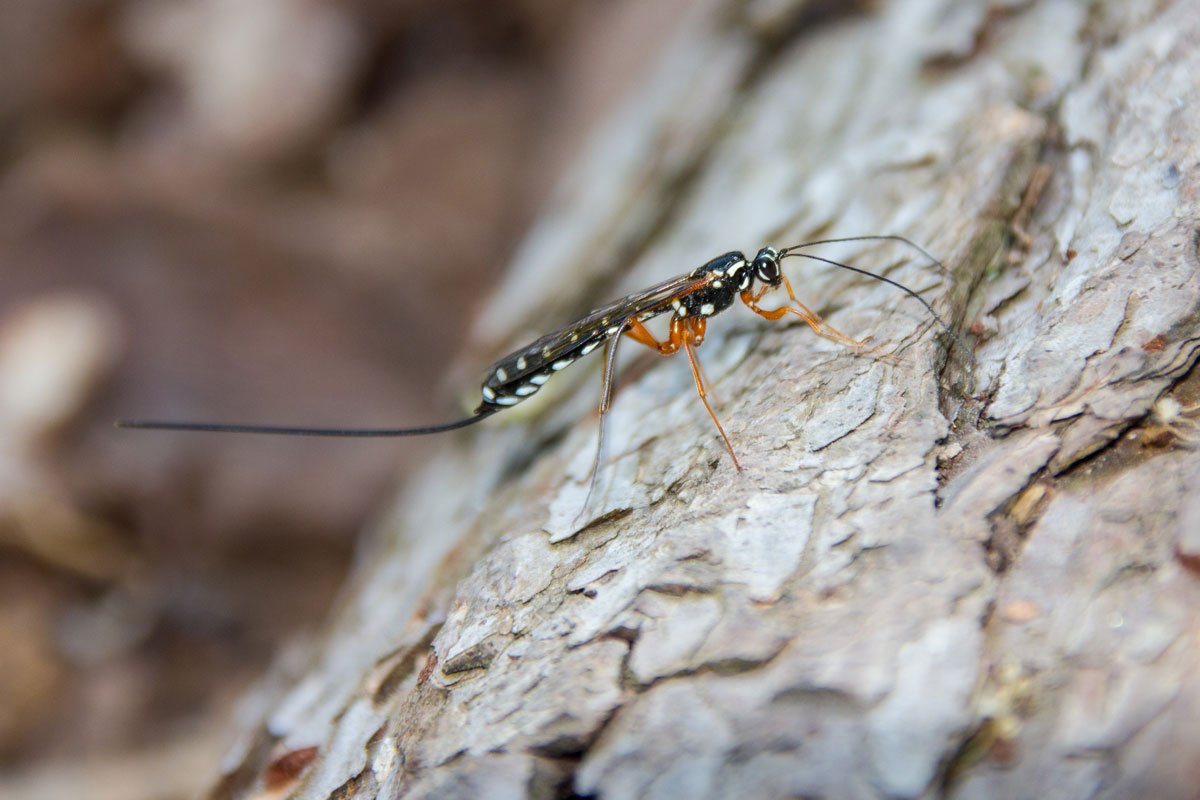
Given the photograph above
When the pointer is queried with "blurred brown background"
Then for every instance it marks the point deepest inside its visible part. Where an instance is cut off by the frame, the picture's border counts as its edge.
(279, 210)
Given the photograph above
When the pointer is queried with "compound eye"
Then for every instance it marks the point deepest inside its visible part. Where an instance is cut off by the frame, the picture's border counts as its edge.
(766, 269)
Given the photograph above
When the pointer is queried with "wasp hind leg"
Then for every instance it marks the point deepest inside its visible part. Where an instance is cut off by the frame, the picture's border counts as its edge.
(606, 393)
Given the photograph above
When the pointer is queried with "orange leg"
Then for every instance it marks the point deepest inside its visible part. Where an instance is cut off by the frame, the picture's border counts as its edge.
(689, 334)
(693, 335)
(699, 325)
(639, 333)
(642, 335)
(844, 338)
(810, 317)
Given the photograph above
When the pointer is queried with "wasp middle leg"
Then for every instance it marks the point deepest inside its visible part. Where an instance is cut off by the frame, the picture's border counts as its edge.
(688, 333)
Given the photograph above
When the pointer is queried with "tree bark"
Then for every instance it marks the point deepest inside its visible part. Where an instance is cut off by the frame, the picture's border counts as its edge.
(971, 574)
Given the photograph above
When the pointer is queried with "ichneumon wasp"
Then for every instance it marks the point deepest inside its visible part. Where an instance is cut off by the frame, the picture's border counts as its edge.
(690, 298)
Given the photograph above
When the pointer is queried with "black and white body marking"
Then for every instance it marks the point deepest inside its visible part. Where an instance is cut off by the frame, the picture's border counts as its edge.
(704, 292)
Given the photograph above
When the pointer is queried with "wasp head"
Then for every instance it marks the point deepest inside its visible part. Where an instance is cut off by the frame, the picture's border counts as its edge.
(766, 266)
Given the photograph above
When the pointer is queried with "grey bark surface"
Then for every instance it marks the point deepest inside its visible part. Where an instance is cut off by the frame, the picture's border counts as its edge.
(936, 575)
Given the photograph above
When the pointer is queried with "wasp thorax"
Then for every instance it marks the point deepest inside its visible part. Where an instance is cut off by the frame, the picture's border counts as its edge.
(720, 281)
(766, 266)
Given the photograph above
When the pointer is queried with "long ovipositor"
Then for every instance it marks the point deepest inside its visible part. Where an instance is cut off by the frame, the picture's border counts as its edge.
(690, 299)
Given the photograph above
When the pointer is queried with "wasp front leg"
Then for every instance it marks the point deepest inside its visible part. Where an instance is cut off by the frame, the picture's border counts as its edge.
(810, 317)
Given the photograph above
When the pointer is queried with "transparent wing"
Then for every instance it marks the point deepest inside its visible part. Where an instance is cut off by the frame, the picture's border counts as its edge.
(585, 334)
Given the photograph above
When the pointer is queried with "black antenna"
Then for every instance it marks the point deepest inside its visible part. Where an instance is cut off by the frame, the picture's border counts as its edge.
(791, 251)
(523, 372)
